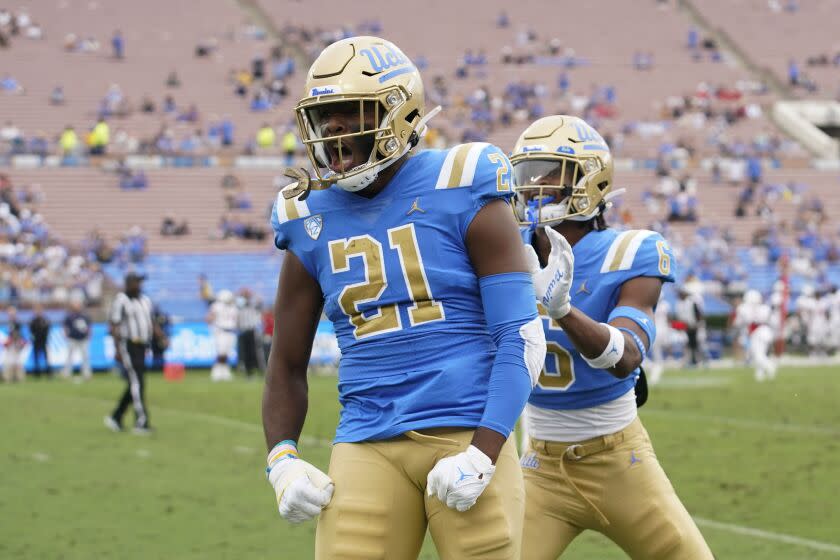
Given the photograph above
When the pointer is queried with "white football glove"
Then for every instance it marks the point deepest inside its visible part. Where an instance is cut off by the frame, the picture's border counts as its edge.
(553, 282)
(302, 490)
(458, 481)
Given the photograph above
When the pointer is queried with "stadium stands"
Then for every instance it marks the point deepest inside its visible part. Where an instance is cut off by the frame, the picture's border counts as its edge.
(77, 200)
(763, 29)
(672, 103)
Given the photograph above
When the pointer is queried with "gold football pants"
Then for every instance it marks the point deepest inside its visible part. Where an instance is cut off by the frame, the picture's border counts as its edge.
(380, 509)
(611, 484)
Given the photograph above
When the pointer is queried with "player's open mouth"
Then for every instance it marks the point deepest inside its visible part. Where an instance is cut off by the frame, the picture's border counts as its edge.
(342, 163)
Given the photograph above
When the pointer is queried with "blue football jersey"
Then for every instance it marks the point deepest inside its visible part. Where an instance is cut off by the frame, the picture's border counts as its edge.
(604, 260)
(401, 291)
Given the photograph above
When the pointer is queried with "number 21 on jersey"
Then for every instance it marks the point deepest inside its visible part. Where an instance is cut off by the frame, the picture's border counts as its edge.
(386, 318)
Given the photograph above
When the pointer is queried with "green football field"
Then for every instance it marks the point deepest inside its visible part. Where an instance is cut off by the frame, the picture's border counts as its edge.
(757, 465)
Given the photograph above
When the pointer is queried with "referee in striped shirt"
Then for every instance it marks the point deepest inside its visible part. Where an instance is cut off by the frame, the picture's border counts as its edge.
(131, 328)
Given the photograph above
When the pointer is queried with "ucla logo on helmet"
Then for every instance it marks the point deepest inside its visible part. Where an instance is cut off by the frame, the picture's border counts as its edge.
(387, 57)
(313, 226)
(587, 134)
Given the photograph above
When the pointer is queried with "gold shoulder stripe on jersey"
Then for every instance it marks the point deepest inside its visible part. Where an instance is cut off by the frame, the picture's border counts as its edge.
(622, 248)
(458, 165)
(289, 209)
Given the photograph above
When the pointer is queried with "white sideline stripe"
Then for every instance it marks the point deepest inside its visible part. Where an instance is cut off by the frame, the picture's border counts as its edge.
(220, 420)
(768, 535)
(744, 423)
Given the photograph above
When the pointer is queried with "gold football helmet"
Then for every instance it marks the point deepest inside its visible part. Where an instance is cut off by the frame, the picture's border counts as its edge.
(379, 94)
(562, 170)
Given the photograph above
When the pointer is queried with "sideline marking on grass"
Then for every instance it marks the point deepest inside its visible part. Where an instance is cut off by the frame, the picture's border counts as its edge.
(220, 420)
(744, 423)
(768, 535)
(692, 382)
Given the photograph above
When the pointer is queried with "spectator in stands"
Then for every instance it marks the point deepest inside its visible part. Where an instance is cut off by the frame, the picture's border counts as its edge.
(169, 105)
(39, 145)
(754, 169)
(290, 144)
(10, 84)
(260, 101)
(793, 72)
(172, 80)
(77, 331)
(230, 181)
(14, 349)
(266, 137)
(682, 208)
(57, 96)
(132, 248)
(169, 227)
(68, 142)
(192, 143)
(99, 138)
(258, 67)
(206, 47)
(227, 131)
(693, 38)
(39, 328)
(118, 45)
(147, 105)
(238, 200)
(10, 134)
(190, 115)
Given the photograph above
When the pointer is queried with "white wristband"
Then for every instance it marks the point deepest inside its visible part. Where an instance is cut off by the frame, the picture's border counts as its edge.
(612, 353)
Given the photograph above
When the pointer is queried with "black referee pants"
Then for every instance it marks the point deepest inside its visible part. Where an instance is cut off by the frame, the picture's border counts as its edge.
(247, 351)
(133, 368)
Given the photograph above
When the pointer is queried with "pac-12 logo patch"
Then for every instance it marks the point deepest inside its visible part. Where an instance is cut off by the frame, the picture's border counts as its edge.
(313, 226)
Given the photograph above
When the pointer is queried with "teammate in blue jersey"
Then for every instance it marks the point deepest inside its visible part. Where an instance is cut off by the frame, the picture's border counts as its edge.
(590, 463)
(416, 260)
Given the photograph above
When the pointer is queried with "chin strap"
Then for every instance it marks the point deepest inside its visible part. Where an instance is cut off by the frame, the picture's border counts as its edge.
(421, 126)
(613, 194)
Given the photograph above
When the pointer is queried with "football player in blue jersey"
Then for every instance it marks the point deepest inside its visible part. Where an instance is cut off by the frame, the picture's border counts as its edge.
(416, 260)
(590, 463)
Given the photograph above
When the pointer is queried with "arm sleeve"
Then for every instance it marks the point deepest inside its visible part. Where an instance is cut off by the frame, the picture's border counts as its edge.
(511, 312)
